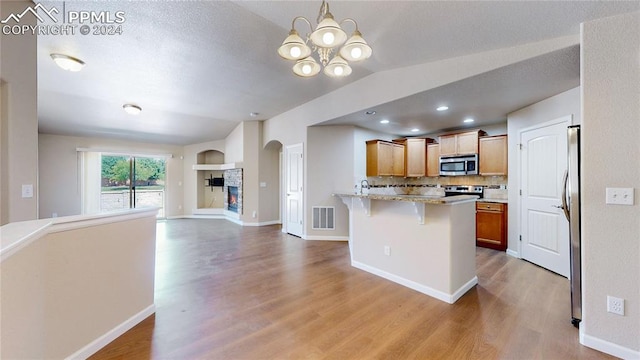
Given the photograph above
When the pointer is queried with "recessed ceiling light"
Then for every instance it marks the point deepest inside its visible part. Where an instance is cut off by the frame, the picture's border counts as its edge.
(370, 112)
(254, 114)
(468, 120)
(132, 109)
(442, 108)
(415, 130)
(384, 121)
(67, 62)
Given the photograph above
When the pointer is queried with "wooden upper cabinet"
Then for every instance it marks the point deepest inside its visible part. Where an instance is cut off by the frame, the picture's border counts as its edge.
(398, 165)
(384, 158)
(448, 145)
(415, 156)
(493, 155)
(433, 160)
(460, 144)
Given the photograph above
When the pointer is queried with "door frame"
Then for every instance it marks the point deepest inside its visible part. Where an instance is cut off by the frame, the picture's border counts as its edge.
(286, 170)
(568, 119)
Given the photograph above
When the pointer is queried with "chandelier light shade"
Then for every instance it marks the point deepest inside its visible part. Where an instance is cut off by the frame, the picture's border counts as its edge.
(337, 67)
(326, 43)
(67, 62)
(293, 47)
(306, 67)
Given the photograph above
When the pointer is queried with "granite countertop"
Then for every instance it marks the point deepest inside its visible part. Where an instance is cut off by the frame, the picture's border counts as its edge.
(499, 201)
(427, 199)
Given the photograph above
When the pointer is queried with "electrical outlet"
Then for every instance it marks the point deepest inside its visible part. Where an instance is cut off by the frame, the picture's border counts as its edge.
(387, 250)
(615, 305)
(619, 196)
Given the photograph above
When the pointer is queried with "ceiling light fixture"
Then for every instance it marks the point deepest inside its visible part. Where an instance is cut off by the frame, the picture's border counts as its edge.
(327, 37)
(442, 108)
(132, 109)
(254, 114)
(415, 130)
(67, 62)
(370, 112)
(384, 121)
(468, 120)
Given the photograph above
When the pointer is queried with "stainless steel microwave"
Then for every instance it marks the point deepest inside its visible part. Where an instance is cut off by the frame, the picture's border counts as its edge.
(459, 165)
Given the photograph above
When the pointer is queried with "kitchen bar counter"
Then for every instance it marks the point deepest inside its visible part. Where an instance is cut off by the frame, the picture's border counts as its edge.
(434, 255)
(427, 199)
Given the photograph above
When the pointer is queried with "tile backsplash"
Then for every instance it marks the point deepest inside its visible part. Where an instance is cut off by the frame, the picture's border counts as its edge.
(439, 180)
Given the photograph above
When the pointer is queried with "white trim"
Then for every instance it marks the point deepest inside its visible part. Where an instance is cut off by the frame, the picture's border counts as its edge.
(112, 334)
(608, 347)
(513, 253)
(124, 152)
(82, 221)
(208, 211)
(325, 238)
(17, 235)
(448, 298)
(264, 223)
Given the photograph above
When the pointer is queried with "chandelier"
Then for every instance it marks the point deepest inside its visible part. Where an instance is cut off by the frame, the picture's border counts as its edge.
(324, 41)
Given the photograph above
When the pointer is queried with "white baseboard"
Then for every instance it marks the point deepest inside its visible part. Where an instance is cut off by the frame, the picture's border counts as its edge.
(264, 223)
(326, 238)
(608, 347)
(513, 253)
(112, 334)
(448, 298)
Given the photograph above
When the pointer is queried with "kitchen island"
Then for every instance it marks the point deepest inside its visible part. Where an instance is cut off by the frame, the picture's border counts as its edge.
(426, 243)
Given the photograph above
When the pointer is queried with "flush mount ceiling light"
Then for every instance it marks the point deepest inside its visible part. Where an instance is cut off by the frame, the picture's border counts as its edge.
(442, 108)
(468, 120)
(415, 130)
(67, 62)
(324, 41)
(385, 121)
(132, 109)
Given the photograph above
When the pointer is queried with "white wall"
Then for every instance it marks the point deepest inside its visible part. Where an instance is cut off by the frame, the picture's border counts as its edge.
(251, 146)
(610, 79)
(330, 164)
(563, 104)
(60, 173)
(233, 145)
(19, 137)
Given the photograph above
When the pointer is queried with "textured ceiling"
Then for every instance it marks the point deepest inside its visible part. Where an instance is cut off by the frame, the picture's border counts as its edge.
(200, 68)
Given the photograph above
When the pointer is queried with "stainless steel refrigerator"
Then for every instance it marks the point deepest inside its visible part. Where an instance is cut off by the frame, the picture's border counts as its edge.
(571, 206)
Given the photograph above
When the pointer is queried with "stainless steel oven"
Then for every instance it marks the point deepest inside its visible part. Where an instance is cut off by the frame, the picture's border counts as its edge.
(459, 165)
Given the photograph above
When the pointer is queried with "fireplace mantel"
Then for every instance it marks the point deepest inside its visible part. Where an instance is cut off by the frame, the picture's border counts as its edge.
(229, 166)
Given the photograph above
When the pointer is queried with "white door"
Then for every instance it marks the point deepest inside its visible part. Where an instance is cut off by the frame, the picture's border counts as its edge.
(545, 230)
(294, 197)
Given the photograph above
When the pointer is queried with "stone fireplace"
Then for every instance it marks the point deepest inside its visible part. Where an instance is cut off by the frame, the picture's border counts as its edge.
(233, 190)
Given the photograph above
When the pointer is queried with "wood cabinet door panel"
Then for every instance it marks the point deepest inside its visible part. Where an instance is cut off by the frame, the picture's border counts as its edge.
(397, 160)
(493, 156)
(467, 143)
(447, 145)
(433, 160)
(415, 157)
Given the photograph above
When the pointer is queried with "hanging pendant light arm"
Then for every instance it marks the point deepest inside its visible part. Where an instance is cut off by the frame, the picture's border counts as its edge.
(293, 23)
(351, 20)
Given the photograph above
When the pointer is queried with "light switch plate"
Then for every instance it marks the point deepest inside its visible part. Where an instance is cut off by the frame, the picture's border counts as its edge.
(27, 190)
(620, 196)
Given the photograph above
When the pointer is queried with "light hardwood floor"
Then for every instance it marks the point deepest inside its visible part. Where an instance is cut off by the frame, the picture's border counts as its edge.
(228, 292)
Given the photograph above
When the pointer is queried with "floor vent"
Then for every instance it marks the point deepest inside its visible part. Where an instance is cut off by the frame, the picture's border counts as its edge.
(323, 218)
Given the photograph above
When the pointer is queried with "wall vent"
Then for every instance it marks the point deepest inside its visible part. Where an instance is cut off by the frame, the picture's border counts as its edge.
(323, 218)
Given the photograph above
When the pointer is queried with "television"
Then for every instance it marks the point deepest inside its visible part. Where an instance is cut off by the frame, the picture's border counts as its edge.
(217, 181)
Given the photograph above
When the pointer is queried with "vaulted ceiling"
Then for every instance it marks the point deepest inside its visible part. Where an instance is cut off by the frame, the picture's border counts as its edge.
(199, 68)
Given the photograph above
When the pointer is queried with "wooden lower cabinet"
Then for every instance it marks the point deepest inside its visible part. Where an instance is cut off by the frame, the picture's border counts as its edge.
(491, 225)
